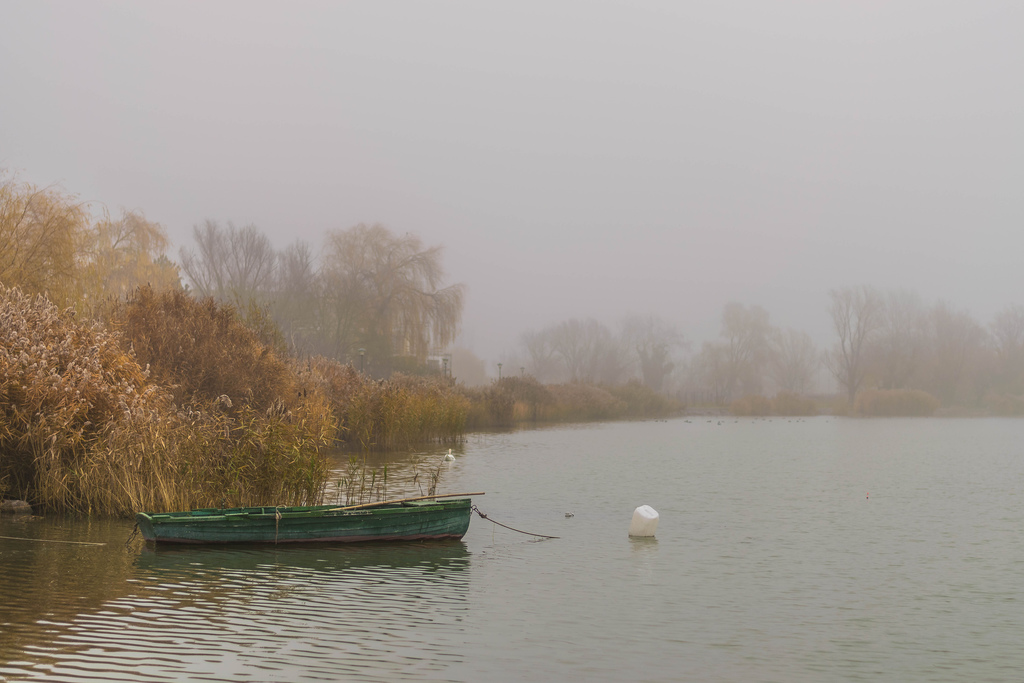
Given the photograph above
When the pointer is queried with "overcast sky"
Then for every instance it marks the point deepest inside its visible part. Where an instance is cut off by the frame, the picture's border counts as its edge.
(574, 159)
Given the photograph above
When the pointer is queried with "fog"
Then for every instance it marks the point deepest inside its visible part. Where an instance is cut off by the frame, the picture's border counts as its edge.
(574, 159)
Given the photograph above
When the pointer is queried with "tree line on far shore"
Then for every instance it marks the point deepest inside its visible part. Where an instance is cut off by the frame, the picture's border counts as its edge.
(893, 354)
(379, 301)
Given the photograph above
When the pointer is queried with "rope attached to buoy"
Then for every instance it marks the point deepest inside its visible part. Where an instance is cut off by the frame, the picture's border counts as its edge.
(505, 526)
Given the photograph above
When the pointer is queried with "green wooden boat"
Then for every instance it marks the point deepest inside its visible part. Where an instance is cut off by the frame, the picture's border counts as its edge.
(403, 520)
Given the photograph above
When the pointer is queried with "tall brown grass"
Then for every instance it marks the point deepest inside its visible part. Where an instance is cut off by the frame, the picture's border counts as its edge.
(751, 405)
(86, 429)
(641, 401)
(178, 404)
(581, 402)
(202, 349)
(895, 403)
(403, 411)
(784, 403)
(204, 457)
(788, 404)
(506, 402)
(517, 400)
(1005, 405)
(61, 385)
(399, 412)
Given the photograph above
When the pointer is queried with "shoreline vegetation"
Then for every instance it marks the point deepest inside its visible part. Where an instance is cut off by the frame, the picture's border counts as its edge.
(123, 389)
(169, 402)
(867, 403)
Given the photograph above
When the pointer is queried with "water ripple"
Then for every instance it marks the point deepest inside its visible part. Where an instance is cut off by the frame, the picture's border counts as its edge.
(770, 565)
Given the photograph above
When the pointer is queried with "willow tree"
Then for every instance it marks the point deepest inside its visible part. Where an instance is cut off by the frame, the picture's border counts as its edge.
(126, 252)
(383, 293)
(41, 234)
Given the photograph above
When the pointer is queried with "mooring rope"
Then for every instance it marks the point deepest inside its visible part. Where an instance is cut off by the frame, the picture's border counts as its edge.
(518, 531)
(132, 535)
(49, 540)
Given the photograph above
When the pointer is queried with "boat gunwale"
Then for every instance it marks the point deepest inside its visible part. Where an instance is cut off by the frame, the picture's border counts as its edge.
(389, 521)
(210, 515)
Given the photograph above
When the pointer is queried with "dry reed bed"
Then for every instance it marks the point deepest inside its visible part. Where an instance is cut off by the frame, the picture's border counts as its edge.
(86, 429)
(176, 404)
(784, 404)
(399, 412)
(516, 400)
(895, 403)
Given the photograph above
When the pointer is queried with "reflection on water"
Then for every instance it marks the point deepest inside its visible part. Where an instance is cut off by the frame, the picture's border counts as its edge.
(770, 564)
(387, 475)
(50, 575)
(324, 613)
(434, 555)
(643, 544)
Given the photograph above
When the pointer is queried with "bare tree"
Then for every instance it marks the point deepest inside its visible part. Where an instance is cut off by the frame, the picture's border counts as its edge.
(958, 346)
(204, 266)
(745, 334)
(232, 264)
(794, 360)
(577, 351)
(577, 344)
(901, 342)
(294, 304)
(250, 264)
(653, 340)
(1008, 337)
(710, 372)
(614, 360)
(856, 315)
(543, 361)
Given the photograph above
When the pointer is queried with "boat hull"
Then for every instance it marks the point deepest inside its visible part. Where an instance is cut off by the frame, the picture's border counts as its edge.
(419, 520)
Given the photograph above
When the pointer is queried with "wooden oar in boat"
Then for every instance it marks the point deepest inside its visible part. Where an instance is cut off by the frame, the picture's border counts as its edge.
(406, 500)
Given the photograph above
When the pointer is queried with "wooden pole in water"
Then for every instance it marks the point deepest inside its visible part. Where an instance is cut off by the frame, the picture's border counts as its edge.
(406, 500)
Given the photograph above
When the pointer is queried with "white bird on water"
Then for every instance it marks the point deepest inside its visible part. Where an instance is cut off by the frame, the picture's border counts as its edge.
(449, 457)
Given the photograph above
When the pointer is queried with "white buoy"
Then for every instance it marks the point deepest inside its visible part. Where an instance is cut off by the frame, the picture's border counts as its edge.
(645, 521)
(449, 457)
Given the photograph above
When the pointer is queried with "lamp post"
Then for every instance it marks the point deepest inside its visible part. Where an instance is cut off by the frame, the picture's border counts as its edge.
(444, 367)
(362, 358)
(522, 371)
(499, 372)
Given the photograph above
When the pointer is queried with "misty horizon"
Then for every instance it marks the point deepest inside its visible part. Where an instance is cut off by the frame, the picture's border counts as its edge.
(574, 161)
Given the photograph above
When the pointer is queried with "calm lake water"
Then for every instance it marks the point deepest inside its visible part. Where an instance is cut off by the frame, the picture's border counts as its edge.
(807, 550)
